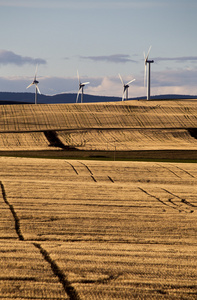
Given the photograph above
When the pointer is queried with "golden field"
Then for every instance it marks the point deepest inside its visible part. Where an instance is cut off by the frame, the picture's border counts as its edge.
(86, 229)
(128, 125)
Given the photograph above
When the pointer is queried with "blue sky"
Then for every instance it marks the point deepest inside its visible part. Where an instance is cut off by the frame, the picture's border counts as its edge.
(101, 39)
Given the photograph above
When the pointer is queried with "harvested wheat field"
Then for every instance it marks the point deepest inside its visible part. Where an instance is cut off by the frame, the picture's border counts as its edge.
(83, 229)
(124, 126)
(97, 230)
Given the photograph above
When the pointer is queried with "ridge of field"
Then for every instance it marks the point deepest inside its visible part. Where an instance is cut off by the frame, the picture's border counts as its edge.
(127, 125)
(97, 230)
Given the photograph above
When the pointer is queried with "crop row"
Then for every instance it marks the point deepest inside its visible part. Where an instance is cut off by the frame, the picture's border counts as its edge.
(100, 140)
(134, 114)
(103, 230)
(129, 139)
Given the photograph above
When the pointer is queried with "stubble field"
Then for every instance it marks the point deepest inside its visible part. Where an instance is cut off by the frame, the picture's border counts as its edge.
(124, 126)
(97, 230)
(83, 229)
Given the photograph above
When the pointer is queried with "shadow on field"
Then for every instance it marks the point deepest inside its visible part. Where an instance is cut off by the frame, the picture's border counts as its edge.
(54, 140)
(193, 132)
(135, 155)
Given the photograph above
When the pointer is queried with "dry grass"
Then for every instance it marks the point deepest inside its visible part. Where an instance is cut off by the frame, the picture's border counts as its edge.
(25, 274)
(130, 114)
(109, 230)
(130, 125)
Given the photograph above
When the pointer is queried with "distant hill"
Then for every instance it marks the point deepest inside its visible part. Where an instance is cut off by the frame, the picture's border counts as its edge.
(27, 98)
(14, 98)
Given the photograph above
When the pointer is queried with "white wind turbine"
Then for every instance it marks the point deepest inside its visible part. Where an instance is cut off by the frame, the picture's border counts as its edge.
(36, 85)
(149, 62)
(81, 87)
(125, 88)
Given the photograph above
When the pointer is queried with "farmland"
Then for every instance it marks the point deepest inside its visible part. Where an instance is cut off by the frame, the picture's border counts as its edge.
(124, 126)
(92, 229)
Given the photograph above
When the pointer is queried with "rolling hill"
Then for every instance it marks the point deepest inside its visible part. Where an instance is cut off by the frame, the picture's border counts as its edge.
(110, 126)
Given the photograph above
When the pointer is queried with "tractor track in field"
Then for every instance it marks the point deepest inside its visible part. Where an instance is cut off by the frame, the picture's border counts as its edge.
(70, 291)
(184, 171)
(91, 174)
(171, 201)
(86, 167)
(181, 199)
(72, 167)
(153, 196)
(16, 218)
(110, 179)
(167, 168)
(89, 170)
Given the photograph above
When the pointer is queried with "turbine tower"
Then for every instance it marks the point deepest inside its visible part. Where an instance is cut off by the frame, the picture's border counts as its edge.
(81, 87)
(147, 62)
(36, 85)
(125, 88)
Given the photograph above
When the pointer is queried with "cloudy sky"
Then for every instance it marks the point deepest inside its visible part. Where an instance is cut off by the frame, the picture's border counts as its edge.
(100, 39)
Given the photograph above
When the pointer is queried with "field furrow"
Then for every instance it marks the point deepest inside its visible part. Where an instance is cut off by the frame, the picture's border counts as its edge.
(92, 228)
(135, 114)
(25, 275)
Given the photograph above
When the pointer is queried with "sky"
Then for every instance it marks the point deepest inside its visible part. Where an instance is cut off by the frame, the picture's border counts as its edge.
(101, 39)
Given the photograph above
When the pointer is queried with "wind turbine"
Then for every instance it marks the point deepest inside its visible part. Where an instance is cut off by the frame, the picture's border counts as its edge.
(36, 85)
(81, 87)
(125, 88)
(147, 62)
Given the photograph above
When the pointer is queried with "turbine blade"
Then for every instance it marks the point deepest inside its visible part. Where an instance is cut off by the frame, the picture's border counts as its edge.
(29, 85)
(77, 95)
(121, 79)
(148, 52)
(38, 89)
(130, 81)
(84, 83)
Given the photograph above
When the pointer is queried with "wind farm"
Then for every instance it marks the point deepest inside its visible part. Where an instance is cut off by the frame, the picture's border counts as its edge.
(100, 96)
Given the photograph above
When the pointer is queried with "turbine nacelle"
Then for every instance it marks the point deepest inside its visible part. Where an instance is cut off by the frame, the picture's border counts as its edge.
(149, 61)
(126, 86)
(35, 82)
(81, 85)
